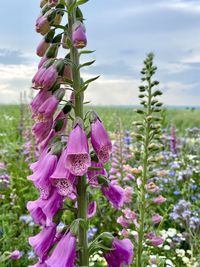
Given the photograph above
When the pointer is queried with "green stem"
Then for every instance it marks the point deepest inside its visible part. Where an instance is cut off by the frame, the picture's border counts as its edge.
(82, 183)
(142, 200)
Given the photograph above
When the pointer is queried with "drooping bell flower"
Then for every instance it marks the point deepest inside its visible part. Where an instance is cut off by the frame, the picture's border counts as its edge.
(50, 76)
(79, 38)
(156, 218)
(77, 153)
(115, 194)
(48, 108)
(92, 208)
(41, 130)
(41, 176)
(42, 25)
(42, 242)
(62, 179)
(34, 207)
(100, 140)
(42, 48)
(93, 174)
(51, 206)
(159, 200)
(34, 166)
(36, 79)
(67, 73)
(155, 240)
(121, 253)
(15, 255)
(64, 253)
(37, 101)
(44, 144)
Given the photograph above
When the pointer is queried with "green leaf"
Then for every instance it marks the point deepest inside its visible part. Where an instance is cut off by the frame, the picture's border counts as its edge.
(91, 80)
(89, 63)
(82, 2)
(86, 52)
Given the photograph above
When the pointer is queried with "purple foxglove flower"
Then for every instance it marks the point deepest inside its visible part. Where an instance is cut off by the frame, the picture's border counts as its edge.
(42, 61)
(92, 174)
(44, 144)
(156, 218)
(36, 78)
(124, 222)
(47, 109)
(43, 210)
(34, 166)
(128, 194)
(42, 25)
(65, 252)
(79, 38)
(38, 100)
(92, 208)
(49, 77)
(157, 241)
(77, 155)
(41, 130)
(42, 242)
(15, 255)
(129, 214)
(34, 207)
(159, 200)
(42, 48)
(51, 206)
(62, 179)
(100, 141)
(121, 254)
(41, 176)
(115, 194)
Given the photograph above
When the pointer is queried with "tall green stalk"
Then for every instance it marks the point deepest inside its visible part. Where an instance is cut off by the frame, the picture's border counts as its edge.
(147, 134)
(82, 183)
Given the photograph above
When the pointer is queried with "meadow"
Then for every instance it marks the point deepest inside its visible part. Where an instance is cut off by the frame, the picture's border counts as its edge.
(177, 183)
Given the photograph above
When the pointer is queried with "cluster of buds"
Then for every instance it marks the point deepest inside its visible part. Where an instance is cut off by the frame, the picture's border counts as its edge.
(71, 155)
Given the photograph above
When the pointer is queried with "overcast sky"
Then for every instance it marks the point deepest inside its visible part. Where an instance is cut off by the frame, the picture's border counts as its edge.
(122, 33)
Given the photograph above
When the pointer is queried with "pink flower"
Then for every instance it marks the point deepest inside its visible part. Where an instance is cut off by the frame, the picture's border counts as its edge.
(156, 218)
(128, 193)
(48, 108)
(64, 253)
(77, 154)
(62, 179)
(42, 48)
(129, 214)
(42, 242)
(121, 253)
(41, 176)
(78, 36)
(42, 25)
(159, 200)
(92, 208)
(121, 220)
(100, 141)
(15, 255)
(155, 240)
(115, 194)
(37, 101)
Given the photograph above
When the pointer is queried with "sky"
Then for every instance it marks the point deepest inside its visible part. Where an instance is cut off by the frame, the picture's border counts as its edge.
(121, 33)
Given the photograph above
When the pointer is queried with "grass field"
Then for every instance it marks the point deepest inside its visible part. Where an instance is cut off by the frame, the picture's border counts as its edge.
(180, 118)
